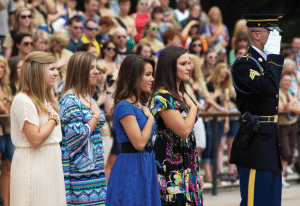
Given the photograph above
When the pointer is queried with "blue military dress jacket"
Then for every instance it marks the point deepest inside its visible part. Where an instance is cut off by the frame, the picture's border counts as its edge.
(256, 83)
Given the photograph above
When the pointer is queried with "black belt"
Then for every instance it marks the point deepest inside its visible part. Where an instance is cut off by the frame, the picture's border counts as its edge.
(129, 148)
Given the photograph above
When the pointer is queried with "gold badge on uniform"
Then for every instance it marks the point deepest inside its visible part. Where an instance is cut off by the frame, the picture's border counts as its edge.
(253, 73)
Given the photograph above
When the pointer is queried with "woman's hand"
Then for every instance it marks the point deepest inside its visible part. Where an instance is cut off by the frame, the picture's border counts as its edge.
(226, 127)
(50, 109)
(146, 112)
(95, 109)
(201, 183)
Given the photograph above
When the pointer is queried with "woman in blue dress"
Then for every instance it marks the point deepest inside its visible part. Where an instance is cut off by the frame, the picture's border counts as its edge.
(133, 178)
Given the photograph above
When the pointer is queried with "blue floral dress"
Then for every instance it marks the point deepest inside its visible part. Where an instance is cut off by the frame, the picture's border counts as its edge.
(82, 154)
(176, 157)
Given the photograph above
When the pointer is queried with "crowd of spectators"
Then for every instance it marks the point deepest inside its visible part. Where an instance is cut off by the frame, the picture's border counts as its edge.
(106, 29)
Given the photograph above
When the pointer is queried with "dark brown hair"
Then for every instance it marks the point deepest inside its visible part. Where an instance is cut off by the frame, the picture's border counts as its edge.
(105, 45)
(130, 75)
(13, 66)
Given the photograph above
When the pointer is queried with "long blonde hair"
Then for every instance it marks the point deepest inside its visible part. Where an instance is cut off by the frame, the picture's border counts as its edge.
(217, 9)
(197, 72)
(4, 81)
(17, 21)
(78, 73)
(33, 80)
(213, 78)
(239, 25)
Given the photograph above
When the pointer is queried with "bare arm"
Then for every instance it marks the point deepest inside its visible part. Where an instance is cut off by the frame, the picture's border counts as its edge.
(138, 138)
(50, 6)
(185, 31)
(2, 5)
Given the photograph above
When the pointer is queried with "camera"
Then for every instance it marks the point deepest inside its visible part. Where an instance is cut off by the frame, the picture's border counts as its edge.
(110, 80)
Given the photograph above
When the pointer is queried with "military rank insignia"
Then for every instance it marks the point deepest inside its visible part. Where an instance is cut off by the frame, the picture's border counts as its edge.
(253, 73)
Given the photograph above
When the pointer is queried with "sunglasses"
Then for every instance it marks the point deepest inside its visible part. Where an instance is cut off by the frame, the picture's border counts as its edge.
(122, 36)
(92, 28)
(110, 48)
(154, 28)
(143, 3)
(78, 27)
(27, 44)
(26, 16)
(213, 57)
(199, 45)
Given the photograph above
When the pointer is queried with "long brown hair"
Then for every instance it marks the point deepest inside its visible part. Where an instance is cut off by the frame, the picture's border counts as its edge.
(78, 72)
(17, 21)
(129, 77)
(13, 66)
(4, 81)
(33, 80)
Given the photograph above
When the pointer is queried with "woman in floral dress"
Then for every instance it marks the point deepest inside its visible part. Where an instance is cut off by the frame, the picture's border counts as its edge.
(175, 147)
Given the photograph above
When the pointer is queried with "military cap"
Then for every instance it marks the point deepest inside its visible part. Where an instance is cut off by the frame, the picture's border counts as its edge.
(268, 21)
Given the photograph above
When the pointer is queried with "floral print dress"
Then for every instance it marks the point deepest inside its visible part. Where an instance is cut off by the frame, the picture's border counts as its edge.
(176, 157)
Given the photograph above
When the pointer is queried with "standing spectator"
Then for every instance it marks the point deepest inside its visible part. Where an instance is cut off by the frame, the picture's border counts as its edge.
(89, 48)
(36, 133)
(175, 145)
(40, 40)
(6, 16)
(104, 9)
(135, 182)
(81, 119)
(141, 17)
(23, 45)
(124, 20)
(287, 124)
(105, 25)
(181, 10)
(90, 32)
(241, 40)
(158, 17)
(6, 146)
(57, 47)
(75, 30)
(119, 38)
(194, 18)
(149, 36)
(240, 27)
(15, 65)
(60, 19)
(169, 14)
(72, 11)
(211, 59)
(296, 47)
(217, 35)
(90, 11)
(23, 24)
(108, 57)
(171, 37)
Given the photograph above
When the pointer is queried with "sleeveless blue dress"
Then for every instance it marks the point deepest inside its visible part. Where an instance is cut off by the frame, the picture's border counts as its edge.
(133, 178)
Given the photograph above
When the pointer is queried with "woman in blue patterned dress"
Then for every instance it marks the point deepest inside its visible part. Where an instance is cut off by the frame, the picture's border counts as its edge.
(133, 178)
(81, 120)
(175, 113)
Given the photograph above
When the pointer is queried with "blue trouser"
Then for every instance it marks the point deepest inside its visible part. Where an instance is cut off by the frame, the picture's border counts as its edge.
(260, 188)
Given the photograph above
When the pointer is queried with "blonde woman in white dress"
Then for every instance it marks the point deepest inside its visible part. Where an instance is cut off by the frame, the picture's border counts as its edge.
(36, 172)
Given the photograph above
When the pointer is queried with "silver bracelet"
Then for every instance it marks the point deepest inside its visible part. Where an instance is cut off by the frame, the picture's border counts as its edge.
(96, 118)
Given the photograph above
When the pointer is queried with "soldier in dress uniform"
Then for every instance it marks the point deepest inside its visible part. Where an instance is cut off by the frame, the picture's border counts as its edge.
(256, 148)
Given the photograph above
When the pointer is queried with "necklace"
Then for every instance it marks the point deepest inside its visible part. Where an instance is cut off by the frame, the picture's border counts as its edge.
(136, 104)
(88, 99)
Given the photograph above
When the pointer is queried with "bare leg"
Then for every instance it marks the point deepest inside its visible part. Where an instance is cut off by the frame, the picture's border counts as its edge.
(229, 146)
(109, 164)
(221, 154)
(5, 181)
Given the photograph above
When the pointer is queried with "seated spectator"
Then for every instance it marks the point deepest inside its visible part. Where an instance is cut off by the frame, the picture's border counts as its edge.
(75, 31)
(240, 51)
(90, 11)
(288, 123)
(169, 14)
(23, 45)
(104, 8)
(241, 40)
(171, 37)
(105, 25)
(194, 18)
(60, 19)
(240, 27)
(217, 35)
(90, 32)
(40, 40)
(71, 4)
(149, 36)
(119, 38)
(89, 48)
(141, 17)
(210, 61)
(158, 17)
(108, 57)
(15, 66)
(23, 24)
(124, 20)
(204, 16)
(181, 10)
(198, 46)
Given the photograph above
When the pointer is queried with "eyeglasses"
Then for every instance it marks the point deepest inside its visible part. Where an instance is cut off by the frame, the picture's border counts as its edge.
(213, 57)
(92, 28)
(78, 27)
(26, 16)
(110, 48)
(199, 45)
(121, 36)
(154, 28)
(144, 3)
(27, 44)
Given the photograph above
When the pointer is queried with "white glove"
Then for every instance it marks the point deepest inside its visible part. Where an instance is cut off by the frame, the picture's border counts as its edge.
(273, 43)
